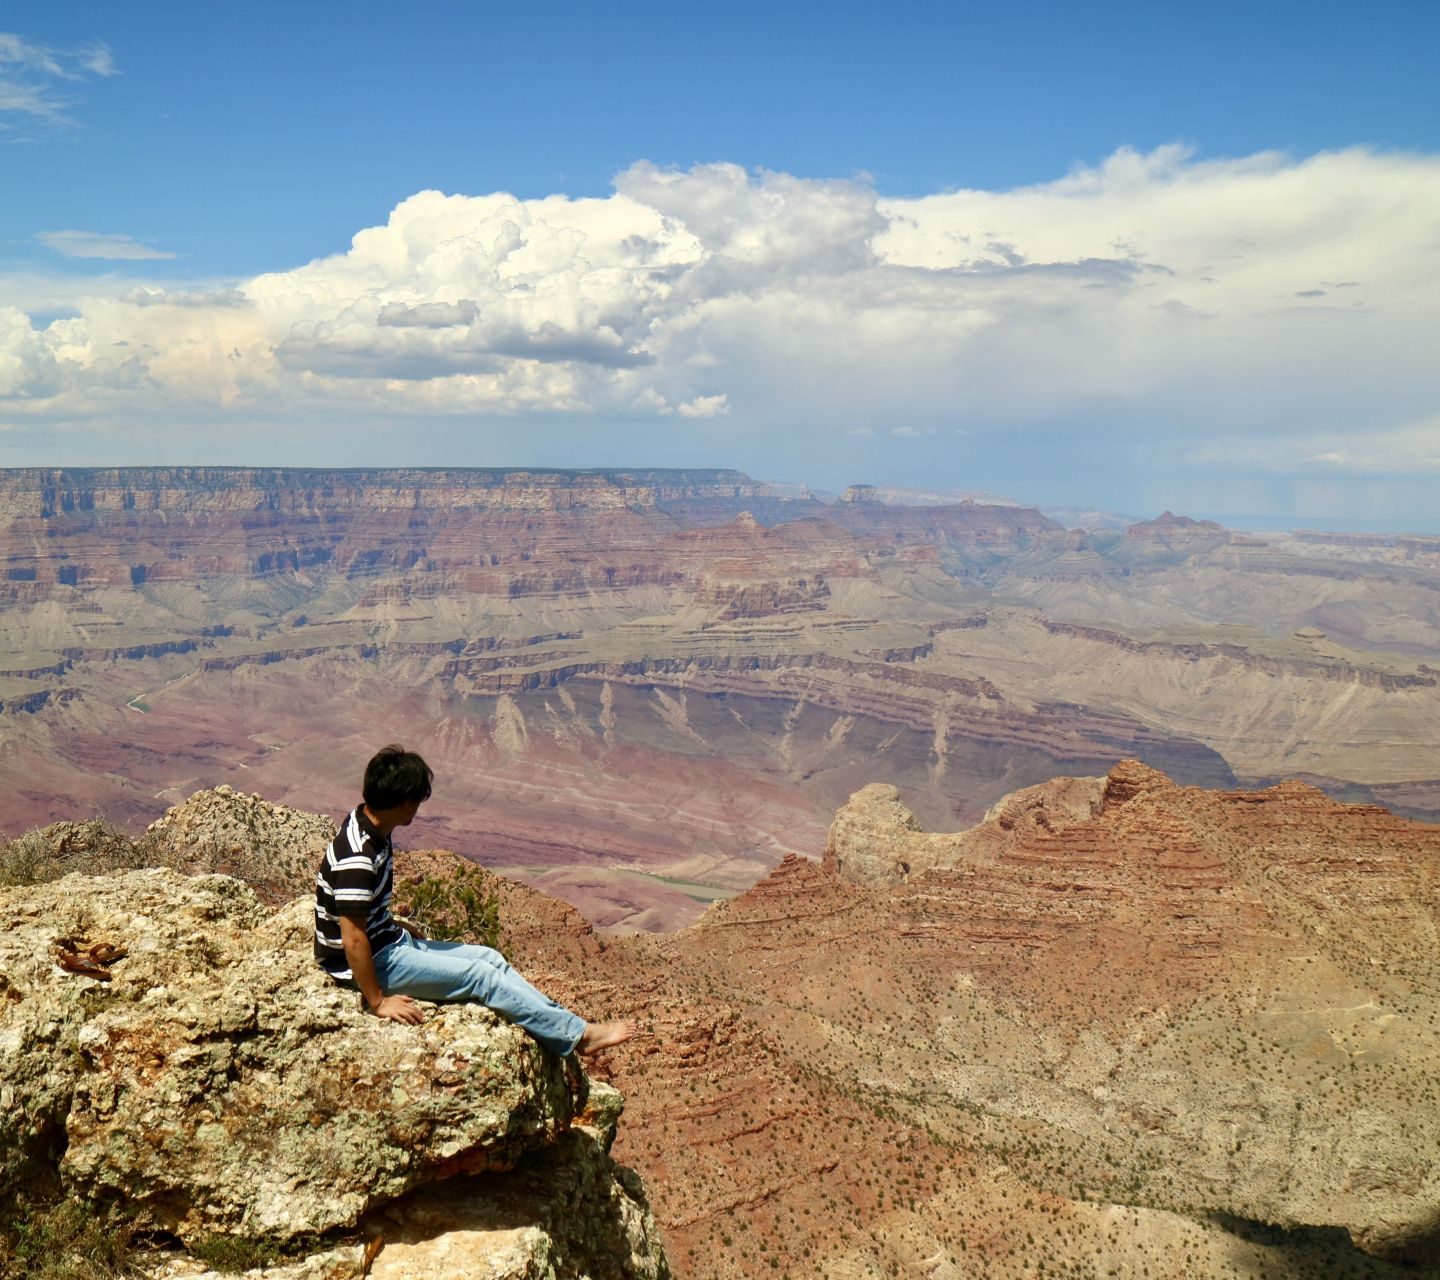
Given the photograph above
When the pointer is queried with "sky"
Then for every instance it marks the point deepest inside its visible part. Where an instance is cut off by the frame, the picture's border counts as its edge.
(1123, 256)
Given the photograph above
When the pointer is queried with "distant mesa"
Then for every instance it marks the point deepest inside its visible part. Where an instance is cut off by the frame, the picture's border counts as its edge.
(1169, 523)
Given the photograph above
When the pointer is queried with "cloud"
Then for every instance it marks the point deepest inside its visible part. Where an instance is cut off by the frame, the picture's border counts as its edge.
(1407, 449)
(140, 296)
(1142, 290)
(25, 55)
(96, 244)
(98, 60)
(427, 315)
(705, 407)
(30, 73)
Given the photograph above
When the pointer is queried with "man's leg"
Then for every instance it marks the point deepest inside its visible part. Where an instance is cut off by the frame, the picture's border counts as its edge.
(449, 971)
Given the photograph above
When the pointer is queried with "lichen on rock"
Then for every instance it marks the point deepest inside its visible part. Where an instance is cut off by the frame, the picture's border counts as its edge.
(219, 1084)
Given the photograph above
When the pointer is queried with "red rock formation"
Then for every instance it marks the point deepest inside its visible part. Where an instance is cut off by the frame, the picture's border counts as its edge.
(1086, 996)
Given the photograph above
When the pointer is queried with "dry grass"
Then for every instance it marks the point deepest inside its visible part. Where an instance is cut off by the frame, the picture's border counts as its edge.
(98, 848)
(65, 1240)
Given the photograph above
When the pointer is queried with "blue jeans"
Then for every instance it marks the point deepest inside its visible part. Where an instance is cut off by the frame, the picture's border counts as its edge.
(448, 971)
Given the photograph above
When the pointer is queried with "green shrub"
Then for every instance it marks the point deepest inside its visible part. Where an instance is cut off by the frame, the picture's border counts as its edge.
(463, 906)
(66, 1240)
(233, 1254)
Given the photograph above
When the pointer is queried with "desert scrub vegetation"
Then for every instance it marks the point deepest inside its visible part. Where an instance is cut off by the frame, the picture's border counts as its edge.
(70, 1239)
(48, 853)
(63, 1240)
(462, 905)
(98, 848)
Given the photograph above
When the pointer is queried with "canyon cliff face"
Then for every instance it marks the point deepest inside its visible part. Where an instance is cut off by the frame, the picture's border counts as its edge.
(646, 688)
(1120, 1025)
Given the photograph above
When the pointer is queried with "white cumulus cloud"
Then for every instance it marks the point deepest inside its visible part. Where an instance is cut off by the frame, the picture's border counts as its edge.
(704, 407)
(1260, 299)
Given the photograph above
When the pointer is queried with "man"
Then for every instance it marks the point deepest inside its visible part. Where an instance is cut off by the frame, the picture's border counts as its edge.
(360, 944)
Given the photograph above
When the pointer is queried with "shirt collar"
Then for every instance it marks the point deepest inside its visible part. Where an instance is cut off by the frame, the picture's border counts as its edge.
(369, 827)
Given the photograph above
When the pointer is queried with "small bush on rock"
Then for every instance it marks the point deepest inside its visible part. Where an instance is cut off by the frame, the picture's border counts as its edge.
(47, 853)
(66, 1240)
(462, 906)
(234, 1254)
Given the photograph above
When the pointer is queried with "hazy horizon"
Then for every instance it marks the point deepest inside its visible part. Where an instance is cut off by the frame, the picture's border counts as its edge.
(1134, 261)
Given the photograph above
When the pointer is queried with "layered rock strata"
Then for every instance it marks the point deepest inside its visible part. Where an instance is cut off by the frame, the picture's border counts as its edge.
(674, 675)
(1230, 993)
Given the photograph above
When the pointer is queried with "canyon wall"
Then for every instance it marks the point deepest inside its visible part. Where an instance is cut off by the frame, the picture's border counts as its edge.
(672, 676)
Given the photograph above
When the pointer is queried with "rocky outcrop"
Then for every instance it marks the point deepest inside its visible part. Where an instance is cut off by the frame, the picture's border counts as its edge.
(1168, 525)
(733, 600)
(272, 847)
(1129, 780)
(876, 840)
(213, 1082)
(961, 531)
(1235, 990)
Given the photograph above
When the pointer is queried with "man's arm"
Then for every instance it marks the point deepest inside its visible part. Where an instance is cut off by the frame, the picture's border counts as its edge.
(362, 967)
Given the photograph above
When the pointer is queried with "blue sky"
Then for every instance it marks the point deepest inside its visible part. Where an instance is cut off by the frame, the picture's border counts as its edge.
(1116, 255)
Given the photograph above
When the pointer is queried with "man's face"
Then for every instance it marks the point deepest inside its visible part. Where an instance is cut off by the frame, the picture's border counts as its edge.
(408, 812)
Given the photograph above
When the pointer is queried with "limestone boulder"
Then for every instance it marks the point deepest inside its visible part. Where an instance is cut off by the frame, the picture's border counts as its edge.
(876, 840)
(217, 1082)
(272, 847)
(564, 1212)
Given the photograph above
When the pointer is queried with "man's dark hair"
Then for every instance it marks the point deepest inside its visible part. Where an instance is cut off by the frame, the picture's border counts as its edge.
(394, 777)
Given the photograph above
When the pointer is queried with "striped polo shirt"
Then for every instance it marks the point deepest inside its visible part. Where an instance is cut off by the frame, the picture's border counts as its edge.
(355, 879)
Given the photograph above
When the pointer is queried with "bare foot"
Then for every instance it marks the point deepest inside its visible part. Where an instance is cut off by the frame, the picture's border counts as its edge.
(606, 1035)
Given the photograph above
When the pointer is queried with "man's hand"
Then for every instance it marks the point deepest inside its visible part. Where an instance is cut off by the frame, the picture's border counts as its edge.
(399, 1009)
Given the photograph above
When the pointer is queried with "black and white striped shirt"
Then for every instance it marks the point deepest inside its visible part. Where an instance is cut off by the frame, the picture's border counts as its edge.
(355, 879)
